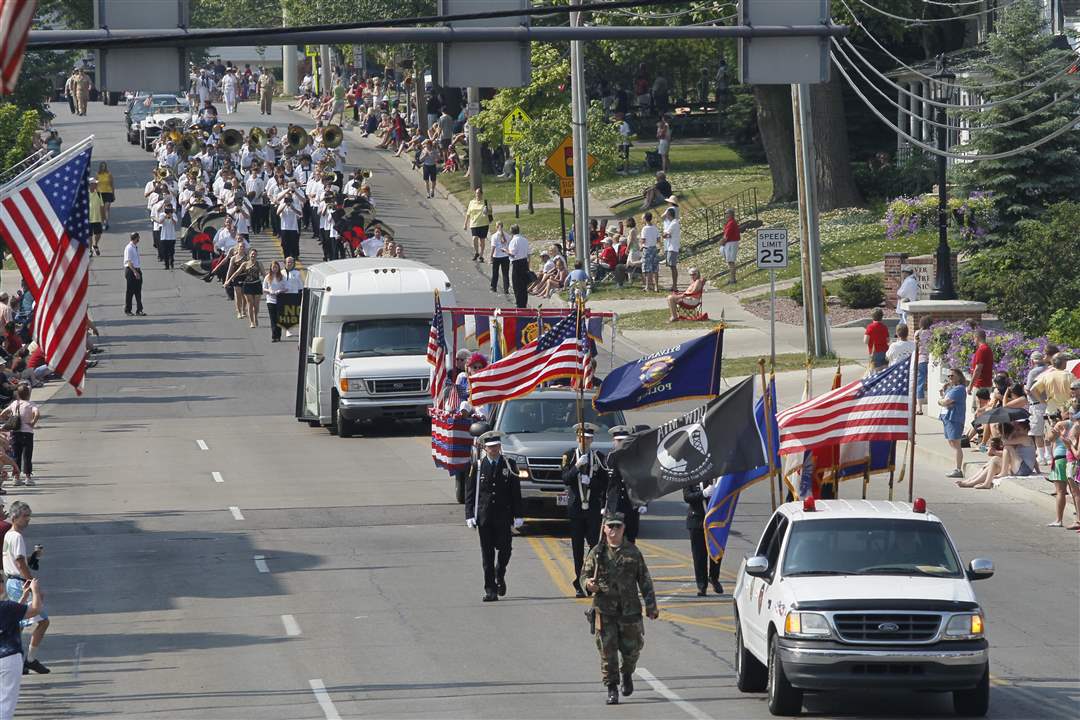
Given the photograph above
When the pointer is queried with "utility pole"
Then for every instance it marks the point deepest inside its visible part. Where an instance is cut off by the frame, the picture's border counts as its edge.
(580, 136)
(327, 84)
(813, 295)
(476, 163)
(804, 232)
(288, 60)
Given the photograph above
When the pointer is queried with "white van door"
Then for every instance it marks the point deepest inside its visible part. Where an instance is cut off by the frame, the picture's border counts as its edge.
(311, 357)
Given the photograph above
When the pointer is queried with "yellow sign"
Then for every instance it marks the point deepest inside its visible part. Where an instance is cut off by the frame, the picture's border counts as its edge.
(566, 187)
(514, 125)
(561, 161)
(311, 50)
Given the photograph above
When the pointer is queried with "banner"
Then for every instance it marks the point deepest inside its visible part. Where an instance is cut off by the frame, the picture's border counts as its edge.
(288, 310)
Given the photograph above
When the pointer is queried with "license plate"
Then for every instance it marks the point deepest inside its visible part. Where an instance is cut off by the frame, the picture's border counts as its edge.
(563, 499)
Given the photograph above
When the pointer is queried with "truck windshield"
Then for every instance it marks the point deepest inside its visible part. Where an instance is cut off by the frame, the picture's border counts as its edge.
(534, 415)
(869, 546)
(387, 336)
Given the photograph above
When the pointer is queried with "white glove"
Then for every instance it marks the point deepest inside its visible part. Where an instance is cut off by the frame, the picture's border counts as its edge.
(583, 461)
(643, 509)
(518, 522)
(471, 523)
(585, 480)
(708, 490)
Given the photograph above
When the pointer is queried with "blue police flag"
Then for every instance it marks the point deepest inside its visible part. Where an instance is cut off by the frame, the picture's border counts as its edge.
(688, 370)
(721, 509)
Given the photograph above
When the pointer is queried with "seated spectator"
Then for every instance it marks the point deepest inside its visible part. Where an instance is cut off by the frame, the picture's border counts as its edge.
(555, 279)
(607, 260)
(547, 267)
(691, 295)
(657, 193)
(12, 341)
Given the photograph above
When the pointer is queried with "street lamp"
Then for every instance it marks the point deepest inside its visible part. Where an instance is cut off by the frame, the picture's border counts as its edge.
(943, 89)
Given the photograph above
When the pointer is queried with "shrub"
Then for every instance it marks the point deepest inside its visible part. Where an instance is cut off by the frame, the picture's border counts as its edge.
(953, 344)
(1065, 327)
(795, 292)
(861, 291)
(914, 177)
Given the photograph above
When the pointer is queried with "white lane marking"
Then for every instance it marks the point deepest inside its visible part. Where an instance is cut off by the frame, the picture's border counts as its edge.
(359, 617)
(323, 697)
(236, 512)
(668, 694)
(202, 444)
(669, 598)
(217, 476)
(292, 628)
(260, 564)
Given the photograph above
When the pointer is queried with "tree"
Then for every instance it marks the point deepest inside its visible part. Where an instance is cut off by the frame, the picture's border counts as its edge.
(1024, 185)
(235, 13)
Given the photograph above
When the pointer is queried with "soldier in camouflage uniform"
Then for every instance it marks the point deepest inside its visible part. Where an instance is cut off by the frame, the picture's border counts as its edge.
(614, 572)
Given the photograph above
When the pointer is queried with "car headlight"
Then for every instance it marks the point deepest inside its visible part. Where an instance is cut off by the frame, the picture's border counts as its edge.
(351, 385)
(521, 462)
(965, 627)
(806, 624)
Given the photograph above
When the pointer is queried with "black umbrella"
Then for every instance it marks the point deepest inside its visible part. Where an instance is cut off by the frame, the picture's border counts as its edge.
(1002, 415)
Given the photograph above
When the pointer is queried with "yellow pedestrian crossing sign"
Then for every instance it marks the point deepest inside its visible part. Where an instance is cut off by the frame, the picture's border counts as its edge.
(514, 125)
(311, 50)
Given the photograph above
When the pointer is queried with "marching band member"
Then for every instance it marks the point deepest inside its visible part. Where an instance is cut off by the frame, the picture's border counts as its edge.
(165, 225)
(289, 214)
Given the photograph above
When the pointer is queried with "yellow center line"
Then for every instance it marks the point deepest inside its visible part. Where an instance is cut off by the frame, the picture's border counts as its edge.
(553, 571)
(695, 603)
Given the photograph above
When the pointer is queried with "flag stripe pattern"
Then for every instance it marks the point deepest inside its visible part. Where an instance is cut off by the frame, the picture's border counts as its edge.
(874, 408)
(45, 223)
(436, 353)
(450, 439)
(556, 354)
(15, 19)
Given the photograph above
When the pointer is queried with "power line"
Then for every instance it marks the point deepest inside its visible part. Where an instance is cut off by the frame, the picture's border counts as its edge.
(678, 13)
(944, 153)
(921, 21)
(958, 3)
(979, 106)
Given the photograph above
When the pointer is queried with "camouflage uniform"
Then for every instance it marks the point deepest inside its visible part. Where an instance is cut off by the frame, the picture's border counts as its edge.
(621, 575)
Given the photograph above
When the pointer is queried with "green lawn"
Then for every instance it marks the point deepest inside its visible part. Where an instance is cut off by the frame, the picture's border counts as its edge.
(658, 320)
(496, 190)
(737, 366)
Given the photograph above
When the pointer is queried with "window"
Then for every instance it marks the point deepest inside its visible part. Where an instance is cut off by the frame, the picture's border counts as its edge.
(385, 337)
(870, 546)
(558, 415)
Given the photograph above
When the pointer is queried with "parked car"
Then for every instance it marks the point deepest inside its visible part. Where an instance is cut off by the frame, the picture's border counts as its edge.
(843, 594)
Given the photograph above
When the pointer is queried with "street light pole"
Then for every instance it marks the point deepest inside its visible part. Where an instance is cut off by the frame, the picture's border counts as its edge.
(943, 279)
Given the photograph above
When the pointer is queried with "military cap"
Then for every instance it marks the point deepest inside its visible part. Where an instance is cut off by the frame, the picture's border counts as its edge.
(621, 431)
(586, 428)
(615, 518)
(491, 438)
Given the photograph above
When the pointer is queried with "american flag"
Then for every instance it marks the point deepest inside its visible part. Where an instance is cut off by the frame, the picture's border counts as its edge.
(45, 223)
(874, 408)
(450, 439)
(436, 352)
(556, 354)
(15, 17)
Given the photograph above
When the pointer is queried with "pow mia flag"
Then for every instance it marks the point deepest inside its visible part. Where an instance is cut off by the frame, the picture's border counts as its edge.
(716, 439)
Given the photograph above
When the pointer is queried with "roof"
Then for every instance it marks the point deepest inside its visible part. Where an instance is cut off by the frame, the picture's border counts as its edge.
(826, 509)
(377, 276)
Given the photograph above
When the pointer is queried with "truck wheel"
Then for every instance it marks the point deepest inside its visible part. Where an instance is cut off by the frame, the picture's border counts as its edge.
(783, 698)
(459, 488)
(974, 702)
(750, 675)
(344, 427)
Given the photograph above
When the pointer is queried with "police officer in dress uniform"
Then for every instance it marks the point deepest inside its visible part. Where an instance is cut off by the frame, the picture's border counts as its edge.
(617, 499)
(585, 477)
(492, 506)
(614, 573)
(706, 570)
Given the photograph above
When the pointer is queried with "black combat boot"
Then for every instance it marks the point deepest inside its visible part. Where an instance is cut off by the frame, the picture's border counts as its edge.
(627, 684)
(612, 694)
(500, 585)
(577, 589)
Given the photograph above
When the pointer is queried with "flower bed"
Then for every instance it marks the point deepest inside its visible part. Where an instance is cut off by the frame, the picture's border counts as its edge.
(953, 344)
(972, 215)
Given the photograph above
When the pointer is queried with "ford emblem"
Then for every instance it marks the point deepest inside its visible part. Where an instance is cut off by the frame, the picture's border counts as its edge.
(888, 627)
(399, 386)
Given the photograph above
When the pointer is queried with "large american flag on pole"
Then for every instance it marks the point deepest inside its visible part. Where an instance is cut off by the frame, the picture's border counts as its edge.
(436, 353)
(874, 408)
(45, 223)
(558, 353)
(15, 19)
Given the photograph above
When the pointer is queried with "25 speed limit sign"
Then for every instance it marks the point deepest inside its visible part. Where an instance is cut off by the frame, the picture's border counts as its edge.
(772, 246)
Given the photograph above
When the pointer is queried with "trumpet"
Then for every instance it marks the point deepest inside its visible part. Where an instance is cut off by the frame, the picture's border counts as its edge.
(297, 137)
(190, 144)
(232, 139)
(259, 137)
(332, 136)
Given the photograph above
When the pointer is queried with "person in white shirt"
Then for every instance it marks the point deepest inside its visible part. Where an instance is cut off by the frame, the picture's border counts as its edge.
(294, 285)
(18, 575)
(255, 187)
(328, 233)
(518, 249)
(900, 348)
(133, 276)
(672, 244)
(273, 285)
(907, 292)
(650, 260)
(289, 215)
(205, 87)
(229, 86)
(225, 238)
(373, 244)
(167, 222)
(240, 212)
(313, 192)
(500, 258)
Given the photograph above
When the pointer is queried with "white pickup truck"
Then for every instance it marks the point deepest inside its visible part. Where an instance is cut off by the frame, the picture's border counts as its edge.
(844, 594)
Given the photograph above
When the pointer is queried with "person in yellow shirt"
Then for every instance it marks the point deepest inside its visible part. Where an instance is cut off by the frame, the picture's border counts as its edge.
(108, 197)
(1053, 386)
(96, 204)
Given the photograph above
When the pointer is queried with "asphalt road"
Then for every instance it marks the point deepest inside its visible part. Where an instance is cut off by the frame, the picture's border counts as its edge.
(209, 557)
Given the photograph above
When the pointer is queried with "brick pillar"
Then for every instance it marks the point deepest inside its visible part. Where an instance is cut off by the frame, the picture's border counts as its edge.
(894, 262)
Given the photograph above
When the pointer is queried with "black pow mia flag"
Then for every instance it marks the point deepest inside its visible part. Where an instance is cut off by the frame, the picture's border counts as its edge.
(717, 439)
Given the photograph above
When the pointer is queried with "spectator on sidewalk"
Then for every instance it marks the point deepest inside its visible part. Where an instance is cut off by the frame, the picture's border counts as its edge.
(954, 401)
(1059, 437)
(923, 336)
(12, 615)
(1037, 408)
(17, 562)
(732, 235)
(22, 439)
(1053, 386)
(901, 348)
(478, 218)
(877, 340)
(907, 292)
(982, 363)
(672, 244)
(519, 266)
(500, 258)
(691, 294)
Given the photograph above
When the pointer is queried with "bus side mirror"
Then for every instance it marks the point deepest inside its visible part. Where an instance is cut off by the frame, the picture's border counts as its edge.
(316, 355)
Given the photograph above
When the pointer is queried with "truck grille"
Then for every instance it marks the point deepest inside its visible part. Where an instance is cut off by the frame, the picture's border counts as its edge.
(547, 470)
(886, 628)
(397, 386)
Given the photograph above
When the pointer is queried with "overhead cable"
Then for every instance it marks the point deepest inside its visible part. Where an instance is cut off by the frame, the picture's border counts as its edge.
(921, 21)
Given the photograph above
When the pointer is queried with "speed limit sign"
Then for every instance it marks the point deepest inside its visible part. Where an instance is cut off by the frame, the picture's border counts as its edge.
(772, 245)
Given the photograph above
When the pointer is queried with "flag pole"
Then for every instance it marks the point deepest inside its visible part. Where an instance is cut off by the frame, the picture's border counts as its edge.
(836, 456)
(768, 431)
(580, 303)
(31, 174)
(912, 378)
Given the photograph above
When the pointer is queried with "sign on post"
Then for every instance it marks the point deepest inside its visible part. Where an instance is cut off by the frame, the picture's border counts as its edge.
(561, 162)
(514, 125)
(772, 246)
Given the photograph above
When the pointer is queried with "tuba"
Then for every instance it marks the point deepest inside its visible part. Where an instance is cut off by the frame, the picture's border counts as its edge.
(190, 144)
(297, 138)
(259, 137)
(233, 140)
(332, 136)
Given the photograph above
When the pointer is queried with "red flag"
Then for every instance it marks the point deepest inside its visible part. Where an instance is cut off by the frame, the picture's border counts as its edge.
(15, 18)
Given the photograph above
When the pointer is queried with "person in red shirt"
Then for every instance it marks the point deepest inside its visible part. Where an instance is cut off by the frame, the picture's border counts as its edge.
(982, 363)
(12, 341)
(877, 340)
(606, 260)
(732, 235)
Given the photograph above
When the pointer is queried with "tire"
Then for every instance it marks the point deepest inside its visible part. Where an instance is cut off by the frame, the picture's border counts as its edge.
(974, 702)
(783, 698)
(344, 427)
(459, 488)
(750, 675)
(333, 426)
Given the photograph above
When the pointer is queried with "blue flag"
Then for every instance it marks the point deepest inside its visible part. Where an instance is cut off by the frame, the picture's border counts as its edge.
(721, 509)
(688, 370)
